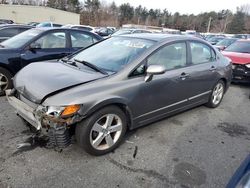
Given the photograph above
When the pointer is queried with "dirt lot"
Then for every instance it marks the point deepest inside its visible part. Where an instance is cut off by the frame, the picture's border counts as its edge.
(199, 148)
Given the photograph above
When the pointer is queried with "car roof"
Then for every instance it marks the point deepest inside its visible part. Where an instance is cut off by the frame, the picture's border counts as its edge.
(43, 29)
(15, 25)
(157, 37)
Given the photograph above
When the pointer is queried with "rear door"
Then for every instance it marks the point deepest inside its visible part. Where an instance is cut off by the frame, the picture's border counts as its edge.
(203, 70)
(52, 45)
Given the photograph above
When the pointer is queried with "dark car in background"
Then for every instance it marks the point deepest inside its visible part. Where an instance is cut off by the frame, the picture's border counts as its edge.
(239, 53)
(221, 45)
(33, 23)
(39, 44)
(4, 21)
(215, 40)
(9, 30)
(98, 92)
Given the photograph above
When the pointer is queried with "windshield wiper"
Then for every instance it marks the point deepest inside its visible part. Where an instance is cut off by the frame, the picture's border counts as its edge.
(97, 69)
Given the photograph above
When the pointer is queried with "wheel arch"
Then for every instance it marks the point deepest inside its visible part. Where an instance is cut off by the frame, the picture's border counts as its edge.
(2, 65)
(225, 82)
(118, 102)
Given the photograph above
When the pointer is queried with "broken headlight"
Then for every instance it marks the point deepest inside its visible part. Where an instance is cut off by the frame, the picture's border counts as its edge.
(59, 111)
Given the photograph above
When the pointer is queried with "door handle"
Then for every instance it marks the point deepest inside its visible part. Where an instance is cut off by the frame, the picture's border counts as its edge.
(184, 75)
(213, 68)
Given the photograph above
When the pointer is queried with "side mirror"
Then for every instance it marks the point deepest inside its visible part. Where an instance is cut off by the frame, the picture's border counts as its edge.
(154, 70)
(34, 46)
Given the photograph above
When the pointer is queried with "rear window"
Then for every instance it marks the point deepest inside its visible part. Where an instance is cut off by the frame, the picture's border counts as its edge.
(8, 32)
(239, 46)
(226, 42)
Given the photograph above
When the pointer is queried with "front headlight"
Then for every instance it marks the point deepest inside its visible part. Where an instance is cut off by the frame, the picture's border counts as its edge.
(248, 65)
(54, 110)
(70, 110)
(65, 111)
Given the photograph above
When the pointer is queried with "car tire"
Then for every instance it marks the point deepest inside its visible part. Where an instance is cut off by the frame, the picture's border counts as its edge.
(216, 95)
(103, 131)
(5, 80)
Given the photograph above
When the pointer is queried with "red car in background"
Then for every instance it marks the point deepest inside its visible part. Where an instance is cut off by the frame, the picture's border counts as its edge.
(239, 53)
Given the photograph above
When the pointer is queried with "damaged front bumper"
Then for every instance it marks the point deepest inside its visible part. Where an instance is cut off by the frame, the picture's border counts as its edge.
(55, 127)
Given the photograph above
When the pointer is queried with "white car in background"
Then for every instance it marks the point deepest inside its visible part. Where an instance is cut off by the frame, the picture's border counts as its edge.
(81, 27)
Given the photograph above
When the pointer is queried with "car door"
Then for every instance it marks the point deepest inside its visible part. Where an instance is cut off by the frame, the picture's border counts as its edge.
(167, 92)
(81, 39)
(202, 70)
(52, 45)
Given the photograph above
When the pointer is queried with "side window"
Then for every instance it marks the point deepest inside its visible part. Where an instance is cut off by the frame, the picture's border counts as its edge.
(171, 56)
(23, 29)
(137, 31)
(201, 53)
(80, 39)
(9, 32)
(52, 40)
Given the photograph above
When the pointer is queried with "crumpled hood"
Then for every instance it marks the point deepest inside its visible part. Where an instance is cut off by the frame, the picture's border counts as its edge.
(38, 80)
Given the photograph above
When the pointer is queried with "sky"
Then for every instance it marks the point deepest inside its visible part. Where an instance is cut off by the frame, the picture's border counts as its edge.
(186, 6)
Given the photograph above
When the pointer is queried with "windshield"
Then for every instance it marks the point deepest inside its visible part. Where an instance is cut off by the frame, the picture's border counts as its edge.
(113, 54)
(21, 39)
(226, 42)
(239, 46)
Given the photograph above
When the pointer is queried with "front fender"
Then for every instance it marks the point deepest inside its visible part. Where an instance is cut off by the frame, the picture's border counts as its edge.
(102, 103)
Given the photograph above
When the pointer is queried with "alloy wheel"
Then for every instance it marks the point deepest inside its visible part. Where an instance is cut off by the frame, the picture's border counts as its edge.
(3, 82)
(106, 131)
(218, 93)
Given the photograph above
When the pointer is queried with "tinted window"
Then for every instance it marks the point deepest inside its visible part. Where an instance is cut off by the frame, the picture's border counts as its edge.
(115, 53)
(8, 32)
(171, 56)
(137, 31)
(57, 25)
(201, 53)
(23, 29)
(239, 46)
(52, 40)
(80, 40)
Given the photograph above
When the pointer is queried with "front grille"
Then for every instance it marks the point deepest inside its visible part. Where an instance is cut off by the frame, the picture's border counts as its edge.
(239, 68)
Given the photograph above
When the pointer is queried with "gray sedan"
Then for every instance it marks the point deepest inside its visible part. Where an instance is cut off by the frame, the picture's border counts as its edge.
(118, 84)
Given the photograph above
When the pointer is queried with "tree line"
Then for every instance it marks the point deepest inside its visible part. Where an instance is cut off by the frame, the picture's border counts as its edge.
(97, 13)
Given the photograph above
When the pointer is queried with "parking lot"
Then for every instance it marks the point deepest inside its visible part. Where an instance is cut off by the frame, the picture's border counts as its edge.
(198, 148)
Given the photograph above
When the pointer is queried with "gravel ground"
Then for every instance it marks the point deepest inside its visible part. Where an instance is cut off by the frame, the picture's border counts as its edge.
(198, 148)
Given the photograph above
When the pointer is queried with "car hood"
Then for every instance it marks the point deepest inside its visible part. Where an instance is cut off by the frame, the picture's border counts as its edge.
(238, 58)
(39, 80)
